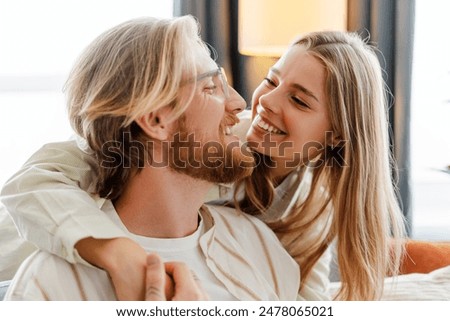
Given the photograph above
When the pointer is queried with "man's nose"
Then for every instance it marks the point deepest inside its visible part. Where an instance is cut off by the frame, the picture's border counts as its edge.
(234, 103)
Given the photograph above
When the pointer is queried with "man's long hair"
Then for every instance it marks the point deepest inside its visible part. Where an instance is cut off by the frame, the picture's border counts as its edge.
(130, 70)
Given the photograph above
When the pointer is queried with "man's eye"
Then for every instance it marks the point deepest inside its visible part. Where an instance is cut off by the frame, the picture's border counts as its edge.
(210, 89)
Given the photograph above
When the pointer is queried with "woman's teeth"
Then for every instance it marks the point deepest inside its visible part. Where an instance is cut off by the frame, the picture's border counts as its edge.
(268, 128)
(227, 130)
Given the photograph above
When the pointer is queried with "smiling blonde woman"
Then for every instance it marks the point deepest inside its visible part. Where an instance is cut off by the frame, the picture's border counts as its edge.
(319, 132)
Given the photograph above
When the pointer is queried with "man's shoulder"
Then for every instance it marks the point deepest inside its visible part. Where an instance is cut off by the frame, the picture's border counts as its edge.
(42, 264)
(240, 220)
(249, 231)
(45, 276)
(255, 250)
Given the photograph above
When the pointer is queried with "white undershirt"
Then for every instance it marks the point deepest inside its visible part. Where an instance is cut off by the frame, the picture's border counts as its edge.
(185, 249)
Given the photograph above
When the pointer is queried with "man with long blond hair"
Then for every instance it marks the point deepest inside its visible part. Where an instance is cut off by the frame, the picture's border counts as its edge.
(156, 113)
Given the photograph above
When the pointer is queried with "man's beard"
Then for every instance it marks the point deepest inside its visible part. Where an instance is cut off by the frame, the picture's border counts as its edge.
(211, 161)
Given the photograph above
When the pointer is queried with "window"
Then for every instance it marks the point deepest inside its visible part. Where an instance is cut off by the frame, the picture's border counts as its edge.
(430, 130)
(40, 41)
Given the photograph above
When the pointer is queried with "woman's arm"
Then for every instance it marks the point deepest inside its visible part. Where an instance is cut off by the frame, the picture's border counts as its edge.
(123, 259)
(316, 287)
(48, 202)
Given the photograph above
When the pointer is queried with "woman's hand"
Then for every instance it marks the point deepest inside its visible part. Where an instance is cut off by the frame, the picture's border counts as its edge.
(123, 259)
(137, 275)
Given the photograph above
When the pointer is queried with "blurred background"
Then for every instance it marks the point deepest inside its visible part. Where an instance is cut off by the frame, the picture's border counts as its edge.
(40, 39)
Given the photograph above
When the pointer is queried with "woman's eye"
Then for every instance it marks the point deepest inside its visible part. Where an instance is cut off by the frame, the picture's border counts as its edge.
(269, 82)
(299, 102)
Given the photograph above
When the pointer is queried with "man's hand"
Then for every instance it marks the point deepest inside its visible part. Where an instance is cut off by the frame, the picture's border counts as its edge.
(171, 281)
(187, 286)
(155, 280)
(137, 275)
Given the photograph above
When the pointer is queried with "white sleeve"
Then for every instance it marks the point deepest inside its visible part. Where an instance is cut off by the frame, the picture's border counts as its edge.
(47, 277)
(316, 287)
(48, 202)
(13, 249)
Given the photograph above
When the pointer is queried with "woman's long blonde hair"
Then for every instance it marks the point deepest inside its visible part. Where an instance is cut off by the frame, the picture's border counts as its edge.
(352, 196)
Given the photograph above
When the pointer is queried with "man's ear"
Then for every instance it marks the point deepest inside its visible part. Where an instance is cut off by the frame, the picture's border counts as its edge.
(157, 124)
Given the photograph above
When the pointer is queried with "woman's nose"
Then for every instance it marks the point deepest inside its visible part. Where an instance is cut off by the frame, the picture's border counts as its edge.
(270, 101)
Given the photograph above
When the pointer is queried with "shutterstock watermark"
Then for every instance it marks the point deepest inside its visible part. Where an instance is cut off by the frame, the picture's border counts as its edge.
(188, 151)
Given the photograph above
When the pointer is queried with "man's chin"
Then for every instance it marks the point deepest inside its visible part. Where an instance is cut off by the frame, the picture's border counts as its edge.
(223, 160)
(236, 165)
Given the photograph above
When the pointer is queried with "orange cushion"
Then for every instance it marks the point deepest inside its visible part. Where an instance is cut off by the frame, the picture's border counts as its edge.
(424, 257)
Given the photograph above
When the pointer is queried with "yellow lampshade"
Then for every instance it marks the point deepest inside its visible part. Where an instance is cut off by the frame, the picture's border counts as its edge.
(267, 27)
